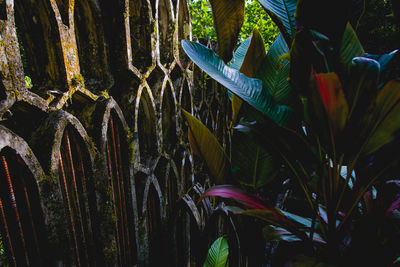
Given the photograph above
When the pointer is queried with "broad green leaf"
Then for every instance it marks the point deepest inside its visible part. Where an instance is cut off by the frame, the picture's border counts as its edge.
(255, 166)
(283, 15)
(350, 46)
(248, 89)
(203, 142)
(238, 55)
(306, 222)
(254, 57)
(333, 100)
(388, 63)
(361, 89)
(387, 113)
(272, 233)
(228, 16)
(275, 217)
(217, 255)
(274, 73)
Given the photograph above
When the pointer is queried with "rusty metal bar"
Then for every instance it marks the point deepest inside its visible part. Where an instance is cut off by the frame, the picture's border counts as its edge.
(84, 188)
(118, 185)
(75, 190)
(10, 247)
(35, 237)
(123, 196)
(14, 205)
(115, 200)
(71, 217)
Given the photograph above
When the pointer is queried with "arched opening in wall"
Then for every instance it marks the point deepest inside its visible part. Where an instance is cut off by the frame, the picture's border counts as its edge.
(185, 101)
(180, 239)
(168, 116)
(40, 47)
(176, 77)
(22, 222)
(146, 128)
(141, 29)
(91, 45)
(172, 184)
(161, 171)
(154, 227)
(156, 79)
(183, 30)
(186, 172)
(187, 242)
(118, 170)
(140, 184)
(77, 186)
(166, 31)
(185, 97)
(177, 159)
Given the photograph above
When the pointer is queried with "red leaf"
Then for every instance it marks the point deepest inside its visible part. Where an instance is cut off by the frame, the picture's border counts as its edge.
(395, 205)
(333, 99)
(229, 191)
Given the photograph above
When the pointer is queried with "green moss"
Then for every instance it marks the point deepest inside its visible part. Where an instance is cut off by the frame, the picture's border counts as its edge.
(77, 80)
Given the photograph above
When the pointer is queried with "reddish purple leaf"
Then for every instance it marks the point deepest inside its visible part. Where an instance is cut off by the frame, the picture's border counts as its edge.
(229, 191)
(333, 99)
(395, 205)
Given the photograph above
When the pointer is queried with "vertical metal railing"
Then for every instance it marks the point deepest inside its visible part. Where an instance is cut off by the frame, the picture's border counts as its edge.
(20, 216)
(117, 162)
(73, 183)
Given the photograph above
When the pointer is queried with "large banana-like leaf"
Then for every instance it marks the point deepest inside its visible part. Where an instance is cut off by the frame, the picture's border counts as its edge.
(283, 15)
(333, 100)
(254, 57)
(254, 166)
(388, 63)
(217, 255)
(387, 116)
(361, 89)
(350, 46)
(274, 73)
(204, 144)
(238, 55)
(248, 89)
(228, 18)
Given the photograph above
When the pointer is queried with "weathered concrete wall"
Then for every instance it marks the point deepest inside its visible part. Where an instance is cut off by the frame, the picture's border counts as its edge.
(101, 134)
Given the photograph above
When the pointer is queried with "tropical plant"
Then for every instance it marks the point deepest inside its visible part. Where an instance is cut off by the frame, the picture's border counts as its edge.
(315, 108)
(255, 16)
(217, 255)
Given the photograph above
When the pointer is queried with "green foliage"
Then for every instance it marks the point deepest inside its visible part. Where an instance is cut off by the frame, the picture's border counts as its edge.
(3, 256)
(28, 82)
(250, 90)
(218, 254)
(202, 20)
(255, 16)
(343, 106)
